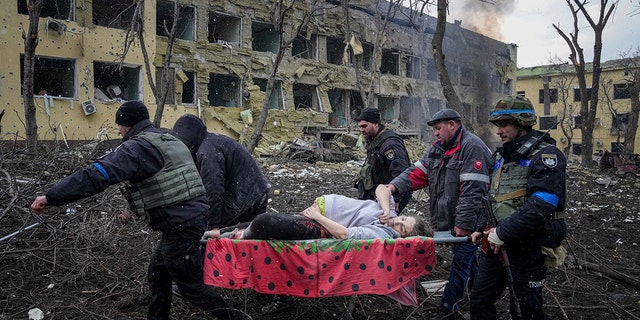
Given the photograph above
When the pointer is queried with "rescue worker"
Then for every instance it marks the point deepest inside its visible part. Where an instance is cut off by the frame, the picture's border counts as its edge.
(456, 170)
(387, 157)
(149, 160)
(237, 190)
(529, 190)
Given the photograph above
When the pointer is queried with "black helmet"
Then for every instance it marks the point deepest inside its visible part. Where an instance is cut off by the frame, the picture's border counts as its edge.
(443, 115)
(516, 109)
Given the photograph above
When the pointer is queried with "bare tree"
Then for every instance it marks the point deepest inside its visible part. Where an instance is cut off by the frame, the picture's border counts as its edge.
(448, 90)
(136, 32)
(588, 108)
(564, 83)
(30, 43)
(283, 11)
(618, 126)
(384, 12)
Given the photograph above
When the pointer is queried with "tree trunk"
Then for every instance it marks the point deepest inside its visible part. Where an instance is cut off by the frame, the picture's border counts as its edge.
(281, 13)
(632, 126)
(163, 92)
(30, 44)
(448, 90)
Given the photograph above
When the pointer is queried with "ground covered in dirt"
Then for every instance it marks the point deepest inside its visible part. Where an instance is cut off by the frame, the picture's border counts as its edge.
(81, 262)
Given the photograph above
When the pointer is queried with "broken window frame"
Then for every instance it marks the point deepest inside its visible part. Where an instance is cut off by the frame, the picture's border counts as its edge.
(230, 25)
(414, 67)
(50, 9)
(103, 10)
(129, 82)
(186, 28)
(231, 86)
(621, 91)
(547, 122)
(334, 50)
(191, 84)
(312, 94)
(277, 96)
(390, 62)
(171, 86)
(388, 107)
(303, 48)
(339, 100)
(41, 80)
(264, 37)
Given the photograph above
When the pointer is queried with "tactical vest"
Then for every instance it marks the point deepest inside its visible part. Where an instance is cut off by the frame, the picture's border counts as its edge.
(509, 183)
(371, 173)
(176, 182)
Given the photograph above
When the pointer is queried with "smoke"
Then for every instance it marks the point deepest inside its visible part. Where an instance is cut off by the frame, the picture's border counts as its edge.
(483, 16)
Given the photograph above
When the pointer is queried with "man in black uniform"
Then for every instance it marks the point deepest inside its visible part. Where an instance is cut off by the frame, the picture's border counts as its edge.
(387, 157)
(528, 188)
(237, 190)
(166, 189)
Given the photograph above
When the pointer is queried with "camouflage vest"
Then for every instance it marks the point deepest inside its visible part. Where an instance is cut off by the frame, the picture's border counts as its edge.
(176, 182)
(509, 183)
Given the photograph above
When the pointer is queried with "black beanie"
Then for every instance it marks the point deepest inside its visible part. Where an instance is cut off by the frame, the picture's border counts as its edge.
(370, 115)
(131, 112)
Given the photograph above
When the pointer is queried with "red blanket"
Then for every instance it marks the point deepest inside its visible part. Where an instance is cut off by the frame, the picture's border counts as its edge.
(322, 267)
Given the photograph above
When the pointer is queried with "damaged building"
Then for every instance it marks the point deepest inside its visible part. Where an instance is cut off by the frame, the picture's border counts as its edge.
(221, 63)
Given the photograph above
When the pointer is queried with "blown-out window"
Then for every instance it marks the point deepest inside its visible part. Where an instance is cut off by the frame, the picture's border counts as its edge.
(53, 76)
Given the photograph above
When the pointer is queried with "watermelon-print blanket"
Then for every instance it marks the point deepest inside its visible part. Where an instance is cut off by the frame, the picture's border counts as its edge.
(321, 267)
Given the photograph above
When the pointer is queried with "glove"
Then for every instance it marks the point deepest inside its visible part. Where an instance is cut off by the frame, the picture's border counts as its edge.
(493, 238)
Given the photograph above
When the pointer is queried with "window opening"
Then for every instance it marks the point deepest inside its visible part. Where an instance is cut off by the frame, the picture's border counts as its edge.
(52, 76)
(114, 82)
(224, 90)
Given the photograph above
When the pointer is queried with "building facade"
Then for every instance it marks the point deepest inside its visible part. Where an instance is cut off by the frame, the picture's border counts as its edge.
(560, 115)
(221, 61)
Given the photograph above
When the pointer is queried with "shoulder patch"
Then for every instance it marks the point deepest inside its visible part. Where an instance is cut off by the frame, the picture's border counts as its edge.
(477, 165)
(390, 154)
(550, 160)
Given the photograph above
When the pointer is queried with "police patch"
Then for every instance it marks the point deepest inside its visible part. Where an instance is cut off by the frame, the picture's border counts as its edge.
(390, 154)
(477, 164)
(550, 160)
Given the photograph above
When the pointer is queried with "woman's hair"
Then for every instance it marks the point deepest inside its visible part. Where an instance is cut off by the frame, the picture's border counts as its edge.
(421, 228)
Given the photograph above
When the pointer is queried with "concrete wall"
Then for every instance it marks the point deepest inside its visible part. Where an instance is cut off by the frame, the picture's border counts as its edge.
(483, 69)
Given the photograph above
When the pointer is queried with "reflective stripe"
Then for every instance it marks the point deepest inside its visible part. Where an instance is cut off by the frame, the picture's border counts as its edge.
(547, 197)
(103, 171)
(420, 166)
(474, 177)
(511, 111)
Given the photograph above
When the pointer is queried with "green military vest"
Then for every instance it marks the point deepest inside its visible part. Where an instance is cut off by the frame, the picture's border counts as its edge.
(509, 183)
(176, 182)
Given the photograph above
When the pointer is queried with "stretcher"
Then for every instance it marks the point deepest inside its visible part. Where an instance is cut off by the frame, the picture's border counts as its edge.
(323, 267)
